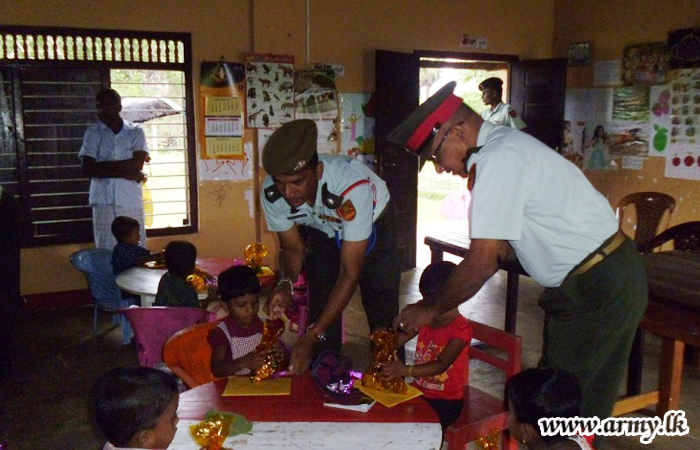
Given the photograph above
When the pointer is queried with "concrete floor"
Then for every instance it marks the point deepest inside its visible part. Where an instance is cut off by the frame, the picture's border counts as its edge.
(44, 401)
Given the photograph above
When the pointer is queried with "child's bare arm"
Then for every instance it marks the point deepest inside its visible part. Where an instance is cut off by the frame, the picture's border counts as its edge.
(404, 336)
(221, 366)
(452, 350)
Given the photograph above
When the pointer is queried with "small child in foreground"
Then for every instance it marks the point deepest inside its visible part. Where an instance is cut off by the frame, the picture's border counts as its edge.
(136, 408)
(234, 340)
(442, 352)
(534, 394)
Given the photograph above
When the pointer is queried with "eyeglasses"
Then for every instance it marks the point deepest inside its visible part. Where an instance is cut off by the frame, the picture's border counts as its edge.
(435, 157)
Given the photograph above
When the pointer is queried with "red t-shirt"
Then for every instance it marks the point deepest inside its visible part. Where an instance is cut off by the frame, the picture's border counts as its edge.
(448, 385)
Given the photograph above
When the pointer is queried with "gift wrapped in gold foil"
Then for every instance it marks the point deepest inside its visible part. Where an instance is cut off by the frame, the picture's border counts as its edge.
(212, 432)
(383, 351)
(254, 254)
(272, 330)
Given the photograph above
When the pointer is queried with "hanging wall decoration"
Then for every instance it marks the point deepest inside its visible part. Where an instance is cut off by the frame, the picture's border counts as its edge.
(644, 64)
(684, 48)
(269, 90)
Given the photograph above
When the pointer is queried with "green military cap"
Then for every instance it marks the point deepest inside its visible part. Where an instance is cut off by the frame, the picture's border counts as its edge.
(492, 83)
(417, 131)
(290, 148)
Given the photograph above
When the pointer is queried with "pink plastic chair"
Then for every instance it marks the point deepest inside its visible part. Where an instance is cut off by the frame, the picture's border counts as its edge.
(153, 326)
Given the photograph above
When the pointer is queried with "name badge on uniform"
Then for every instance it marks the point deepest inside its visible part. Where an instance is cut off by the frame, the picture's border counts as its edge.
(297, 216)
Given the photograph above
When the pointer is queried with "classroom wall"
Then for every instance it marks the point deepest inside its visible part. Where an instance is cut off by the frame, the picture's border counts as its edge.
(341, 32)
(611, 25)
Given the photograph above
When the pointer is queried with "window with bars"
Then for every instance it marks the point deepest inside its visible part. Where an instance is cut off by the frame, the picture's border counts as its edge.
(48, 81)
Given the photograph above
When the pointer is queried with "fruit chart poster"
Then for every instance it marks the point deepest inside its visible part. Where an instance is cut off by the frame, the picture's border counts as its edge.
(683, 152)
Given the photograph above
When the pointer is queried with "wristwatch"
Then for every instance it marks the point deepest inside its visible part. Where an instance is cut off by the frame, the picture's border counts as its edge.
(320, 336)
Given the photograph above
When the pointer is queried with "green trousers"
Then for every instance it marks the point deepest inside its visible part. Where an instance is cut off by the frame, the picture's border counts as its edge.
(593, 318)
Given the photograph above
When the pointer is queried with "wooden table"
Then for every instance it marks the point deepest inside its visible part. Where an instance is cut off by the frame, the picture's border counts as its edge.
(144, 281)
(674, 315)
(300, 420)
(458, 244)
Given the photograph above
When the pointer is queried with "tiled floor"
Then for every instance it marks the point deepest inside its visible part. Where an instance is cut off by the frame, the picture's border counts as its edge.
(44, 402)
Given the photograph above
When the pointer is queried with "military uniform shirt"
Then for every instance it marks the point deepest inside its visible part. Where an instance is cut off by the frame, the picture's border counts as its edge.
(339, 173)
(503, 114)
(529, 195)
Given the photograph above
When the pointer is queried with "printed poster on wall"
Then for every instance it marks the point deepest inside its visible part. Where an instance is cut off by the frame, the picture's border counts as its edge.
(644, 64)
(659, 119)
(588, 113)
(628, 134)
(683, 153)
(269, 90)
(221, 130)
(316, 98)
(357, 127)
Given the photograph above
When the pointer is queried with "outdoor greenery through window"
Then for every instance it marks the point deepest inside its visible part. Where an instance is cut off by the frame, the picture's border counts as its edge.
(155, 99)
(48, 81)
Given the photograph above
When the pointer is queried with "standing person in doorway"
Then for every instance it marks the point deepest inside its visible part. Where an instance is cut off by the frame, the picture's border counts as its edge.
(498, 111)
(113, 154)
(540, 206)
(350, 225)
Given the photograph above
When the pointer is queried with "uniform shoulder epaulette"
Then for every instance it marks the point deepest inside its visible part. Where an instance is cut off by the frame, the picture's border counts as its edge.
(272, 194)
(330, 200)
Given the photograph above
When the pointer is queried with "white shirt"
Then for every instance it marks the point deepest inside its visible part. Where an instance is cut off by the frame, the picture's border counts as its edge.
(339, 174)
(503, 114)
(529, 195)
(102, 144)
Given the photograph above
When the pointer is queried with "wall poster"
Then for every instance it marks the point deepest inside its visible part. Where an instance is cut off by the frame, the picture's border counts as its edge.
(269, 90)
(316, 98)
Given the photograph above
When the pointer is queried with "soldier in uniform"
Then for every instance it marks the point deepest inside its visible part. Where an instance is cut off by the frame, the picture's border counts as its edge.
(349, 226)
(498, 111)
(528, 199)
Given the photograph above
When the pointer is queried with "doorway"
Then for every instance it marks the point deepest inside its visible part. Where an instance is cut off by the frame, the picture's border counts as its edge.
(443, 199)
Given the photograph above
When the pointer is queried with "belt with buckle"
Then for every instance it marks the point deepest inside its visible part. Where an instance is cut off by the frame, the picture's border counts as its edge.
(600, 254)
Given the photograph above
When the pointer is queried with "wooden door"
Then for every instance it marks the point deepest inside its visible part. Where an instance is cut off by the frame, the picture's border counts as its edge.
(537, 92)
(396, 96)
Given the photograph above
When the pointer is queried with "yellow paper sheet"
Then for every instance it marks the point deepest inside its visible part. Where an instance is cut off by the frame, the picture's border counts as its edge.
(243, 386)
(387, 399)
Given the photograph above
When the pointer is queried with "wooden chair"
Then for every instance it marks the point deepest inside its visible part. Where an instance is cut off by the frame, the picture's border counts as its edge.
(685, 237)
(188, 354)
(153, 326)
(650, 208)
(482, 412)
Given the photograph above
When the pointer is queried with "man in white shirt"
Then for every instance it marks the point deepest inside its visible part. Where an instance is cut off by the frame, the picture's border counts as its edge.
(498, 111)
(113, 154)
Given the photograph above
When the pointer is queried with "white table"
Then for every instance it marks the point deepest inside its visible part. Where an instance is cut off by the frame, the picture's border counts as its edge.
(300, 420)
(141, 281)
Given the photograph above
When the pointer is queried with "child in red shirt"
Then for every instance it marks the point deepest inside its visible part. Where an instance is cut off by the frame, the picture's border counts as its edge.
(442, 352)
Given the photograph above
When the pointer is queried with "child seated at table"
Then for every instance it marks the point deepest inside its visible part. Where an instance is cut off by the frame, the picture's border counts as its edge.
(173, 289)
(441, 352)
(534, 394)
(128, 253)
(234, 340)
(136, 408)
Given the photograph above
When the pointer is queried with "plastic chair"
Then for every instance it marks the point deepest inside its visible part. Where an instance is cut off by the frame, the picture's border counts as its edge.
(482, 412)
(188, 354)
(650, 208)
(685, 237)
(153, 326)
(96, 264)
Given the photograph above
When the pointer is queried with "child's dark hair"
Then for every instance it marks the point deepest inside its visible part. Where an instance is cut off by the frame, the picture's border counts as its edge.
(122, 226)
(130, 399)
(237, 281)
(180, 258)
(543, 393)
(434, 276)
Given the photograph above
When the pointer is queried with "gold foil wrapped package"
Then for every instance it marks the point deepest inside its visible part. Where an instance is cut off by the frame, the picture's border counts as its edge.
(272, 330)
(254, 254)
(489, 441)
(383, 351)
(212, 432)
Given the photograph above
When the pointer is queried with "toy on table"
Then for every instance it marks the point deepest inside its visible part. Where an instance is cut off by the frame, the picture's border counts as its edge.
(383, 351)
(201, 281)
(272, 330)
(254, 254)
(211, 432)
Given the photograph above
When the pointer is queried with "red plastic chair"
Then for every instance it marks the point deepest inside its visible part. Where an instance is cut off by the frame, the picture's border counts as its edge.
(153, 326)
(482, 412)
(188, 354)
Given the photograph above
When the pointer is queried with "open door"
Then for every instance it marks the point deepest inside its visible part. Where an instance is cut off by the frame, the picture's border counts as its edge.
(396, 96)
(537, 93)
